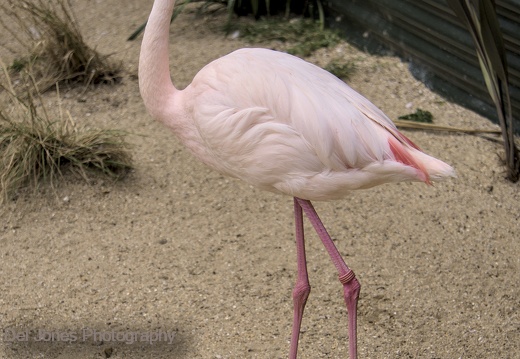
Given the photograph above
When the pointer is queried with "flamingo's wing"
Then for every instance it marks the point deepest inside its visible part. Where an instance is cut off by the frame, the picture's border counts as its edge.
(260, 110)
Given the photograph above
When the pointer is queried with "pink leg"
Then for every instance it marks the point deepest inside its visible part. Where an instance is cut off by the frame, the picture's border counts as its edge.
(302, 288)
(347, 277)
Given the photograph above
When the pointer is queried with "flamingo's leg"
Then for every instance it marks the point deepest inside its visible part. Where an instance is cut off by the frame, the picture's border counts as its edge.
(351, 286)
(302, 287)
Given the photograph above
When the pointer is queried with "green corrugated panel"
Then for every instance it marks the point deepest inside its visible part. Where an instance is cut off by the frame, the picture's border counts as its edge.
(429, 34)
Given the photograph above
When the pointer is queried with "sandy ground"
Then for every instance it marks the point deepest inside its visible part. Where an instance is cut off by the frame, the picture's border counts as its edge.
(178, 248)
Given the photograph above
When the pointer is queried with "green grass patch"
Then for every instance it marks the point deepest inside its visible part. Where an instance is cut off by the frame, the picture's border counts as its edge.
(303, 36)
(343, 70)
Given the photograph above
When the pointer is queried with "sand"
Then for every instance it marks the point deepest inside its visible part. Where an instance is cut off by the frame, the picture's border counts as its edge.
(177, 248)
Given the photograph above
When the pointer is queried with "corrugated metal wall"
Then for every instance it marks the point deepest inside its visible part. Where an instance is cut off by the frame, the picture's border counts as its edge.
(440, 49)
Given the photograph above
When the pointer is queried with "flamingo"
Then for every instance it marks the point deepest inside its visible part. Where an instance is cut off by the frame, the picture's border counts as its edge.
(286, 126)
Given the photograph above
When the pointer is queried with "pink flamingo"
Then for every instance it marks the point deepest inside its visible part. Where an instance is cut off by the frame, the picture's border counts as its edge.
(286, 126)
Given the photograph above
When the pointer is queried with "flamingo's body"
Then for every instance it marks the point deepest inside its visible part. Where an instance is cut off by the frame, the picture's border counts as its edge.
(282, 125)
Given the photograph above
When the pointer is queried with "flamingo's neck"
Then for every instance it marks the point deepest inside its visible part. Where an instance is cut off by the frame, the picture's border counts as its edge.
(155, 84)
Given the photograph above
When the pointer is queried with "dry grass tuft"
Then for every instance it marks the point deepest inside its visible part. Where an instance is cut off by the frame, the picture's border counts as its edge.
(36, 147)
(55, 48)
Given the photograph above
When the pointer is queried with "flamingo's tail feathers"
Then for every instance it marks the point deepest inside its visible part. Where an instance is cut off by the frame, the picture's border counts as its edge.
(428, 168)
(409, 142)
(405, 156)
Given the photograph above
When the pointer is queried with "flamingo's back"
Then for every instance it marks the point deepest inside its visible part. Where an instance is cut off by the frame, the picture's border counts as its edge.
(287, 126)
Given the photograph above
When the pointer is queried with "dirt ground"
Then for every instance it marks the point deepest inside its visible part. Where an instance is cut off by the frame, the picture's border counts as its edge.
(178, 248)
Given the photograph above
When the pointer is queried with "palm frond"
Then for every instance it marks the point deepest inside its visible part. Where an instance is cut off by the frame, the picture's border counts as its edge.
(479, 16)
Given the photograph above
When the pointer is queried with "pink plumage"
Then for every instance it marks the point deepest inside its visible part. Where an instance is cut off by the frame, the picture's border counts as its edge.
(285, 126)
